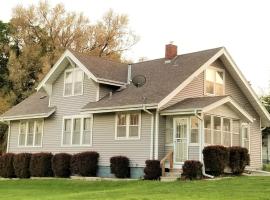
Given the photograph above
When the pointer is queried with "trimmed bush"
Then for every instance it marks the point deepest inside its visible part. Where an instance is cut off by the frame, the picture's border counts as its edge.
(61, 165)
(239, 159)
(21, 165)
(40, 165)
(6, 165)
(85, 163)
(152, 170)
(192, 169)
(120, 166)
(216, 158)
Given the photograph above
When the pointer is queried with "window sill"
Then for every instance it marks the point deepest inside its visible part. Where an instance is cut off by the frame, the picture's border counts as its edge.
(73, 95)
(124, 139)
(79, 145)
(29, 146)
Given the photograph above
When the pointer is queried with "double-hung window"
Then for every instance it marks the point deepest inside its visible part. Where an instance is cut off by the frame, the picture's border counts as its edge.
(77, 131)
(30, 133)
(128, 125)
(214, 81)
(73, 83)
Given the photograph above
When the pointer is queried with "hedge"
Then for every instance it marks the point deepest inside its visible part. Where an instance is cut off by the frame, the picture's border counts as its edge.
(21, 165)
(85, 163)
(215, 158)
(120, 166)
(40, 165)
(152, 170)
(239, 159)
(61, 165)
(192, 169)
(6, 165)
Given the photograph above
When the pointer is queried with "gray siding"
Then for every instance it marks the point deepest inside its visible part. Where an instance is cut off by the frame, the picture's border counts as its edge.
(224, 111)
(161, 139)
(104, 90)
(103, 129)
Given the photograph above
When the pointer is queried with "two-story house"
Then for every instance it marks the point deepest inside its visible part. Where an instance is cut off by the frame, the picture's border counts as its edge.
(188, 101)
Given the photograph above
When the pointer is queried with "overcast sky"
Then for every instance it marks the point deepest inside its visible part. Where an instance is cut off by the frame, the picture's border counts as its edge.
(243, 27)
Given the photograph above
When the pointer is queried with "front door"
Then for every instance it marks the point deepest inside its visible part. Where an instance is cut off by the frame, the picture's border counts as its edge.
(180, 140)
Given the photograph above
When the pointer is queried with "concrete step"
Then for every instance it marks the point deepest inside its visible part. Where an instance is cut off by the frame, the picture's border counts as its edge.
(169, 178)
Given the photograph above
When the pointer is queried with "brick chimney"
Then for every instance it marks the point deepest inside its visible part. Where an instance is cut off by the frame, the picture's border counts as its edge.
(170, 51)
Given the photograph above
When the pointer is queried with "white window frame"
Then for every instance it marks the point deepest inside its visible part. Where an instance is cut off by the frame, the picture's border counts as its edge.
(216, 70)
(127, 127)
(81, 117)
(245, 125)
(34, 133)
(73, 82)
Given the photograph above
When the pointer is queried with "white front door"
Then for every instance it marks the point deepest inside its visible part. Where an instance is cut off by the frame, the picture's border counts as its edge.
(180, 131)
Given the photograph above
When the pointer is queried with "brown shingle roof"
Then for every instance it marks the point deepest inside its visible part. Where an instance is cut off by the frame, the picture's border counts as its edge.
(161, 79)
(103, 68)
(194, 103)
(36, 104)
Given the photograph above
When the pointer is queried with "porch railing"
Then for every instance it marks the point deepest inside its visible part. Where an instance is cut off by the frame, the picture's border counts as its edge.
(168, 157)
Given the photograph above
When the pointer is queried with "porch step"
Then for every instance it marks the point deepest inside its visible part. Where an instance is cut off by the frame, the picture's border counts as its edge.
(173, 175)
(168, 178)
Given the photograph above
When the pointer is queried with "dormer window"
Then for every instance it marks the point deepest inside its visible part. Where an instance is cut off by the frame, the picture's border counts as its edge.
(73, 83)
(214, 81)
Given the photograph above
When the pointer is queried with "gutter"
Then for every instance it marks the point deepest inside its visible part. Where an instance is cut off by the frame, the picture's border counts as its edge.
(201, 144)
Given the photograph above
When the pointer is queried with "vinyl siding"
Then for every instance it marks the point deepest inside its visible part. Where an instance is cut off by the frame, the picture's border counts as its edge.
(104, 90)
(161, 140)
(103, 129)
(224, 111)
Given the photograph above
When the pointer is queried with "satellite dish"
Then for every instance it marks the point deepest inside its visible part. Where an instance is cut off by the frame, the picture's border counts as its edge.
(139, 80)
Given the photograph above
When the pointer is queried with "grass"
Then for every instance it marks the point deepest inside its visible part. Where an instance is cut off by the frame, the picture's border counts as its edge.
(266, 167)
(245, 188)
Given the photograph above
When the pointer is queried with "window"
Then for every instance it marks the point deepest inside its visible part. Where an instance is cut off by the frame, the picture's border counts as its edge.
(128, 126)
(77, 131)
(214, 81)
(245, 136)
(221, 131)
(30, 133)
(194, 130)
(73, 83)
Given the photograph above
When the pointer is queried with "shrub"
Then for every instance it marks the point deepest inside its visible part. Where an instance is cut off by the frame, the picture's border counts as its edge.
(21, 165)
(152, 170)
(216, 158)
(266, 167)
(40, 165)
(192, 169)
(85, 163)
(120, 166)
(61, 165)
(239, 159)
(6, 165)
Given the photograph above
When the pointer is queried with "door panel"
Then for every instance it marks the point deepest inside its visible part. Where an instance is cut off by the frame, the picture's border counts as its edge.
(180, 139)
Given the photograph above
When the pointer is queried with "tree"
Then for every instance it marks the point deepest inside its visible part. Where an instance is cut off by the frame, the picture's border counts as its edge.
(41, 33)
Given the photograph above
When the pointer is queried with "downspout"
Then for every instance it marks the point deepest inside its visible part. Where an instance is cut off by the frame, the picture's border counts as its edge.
(201, 144)
(152, 131)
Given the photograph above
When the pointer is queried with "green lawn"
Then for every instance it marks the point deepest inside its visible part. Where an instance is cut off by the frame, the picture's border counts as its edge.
(232, 189)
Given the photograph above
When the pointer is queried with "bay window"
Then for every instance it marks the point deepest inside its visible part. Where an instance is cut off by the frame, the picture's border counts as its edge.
(127, 126)
(214, 81)
(73, 82)
(77, 131)
(30, 133)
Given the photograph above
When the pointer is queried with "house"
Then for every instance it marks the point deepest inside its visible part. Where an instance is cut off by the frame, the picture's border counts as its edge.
(188, 101)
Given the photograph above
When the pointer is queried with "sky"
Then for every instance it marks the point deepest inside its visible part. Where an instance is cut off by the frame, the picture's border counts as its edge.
(243, 27)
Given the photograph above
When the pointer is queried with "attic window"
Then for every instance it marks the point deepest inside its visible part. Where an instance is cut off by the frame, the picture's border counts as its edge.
(73, 83)
(214, 81)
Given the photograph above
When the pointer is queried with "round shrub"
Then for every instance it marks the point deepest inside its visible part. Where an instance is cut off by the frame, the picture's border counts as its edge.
(21, 165)
(120, 166)
(6, 165)
(61, 165)
(85, 163)
(40, 165)
(152, 170)
(239, 159)
(216, 158)
(192, 169)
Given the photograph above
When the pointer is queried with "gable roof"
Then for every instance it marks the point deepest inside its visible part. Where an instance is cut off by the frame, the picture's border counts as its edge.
(205, 104)
(35, 106)
(162, 78)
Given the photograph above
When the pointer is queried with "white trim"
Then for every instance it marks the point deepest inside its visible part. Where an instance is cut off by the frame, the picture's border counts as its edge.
(81, 117)
(8, 138)
(216, 70)
(34, 134)
(128, 137)
(189, 79)
(110, 82)
(30, 116)
(73, 70)
(156, 135)
(152, 137)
